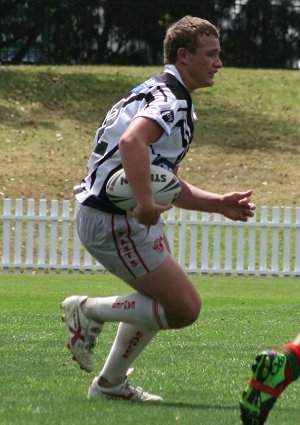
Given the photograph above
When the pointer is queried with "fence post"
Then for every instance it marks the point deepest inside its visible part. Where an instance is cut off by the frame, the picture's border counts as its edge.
(53, 233)
(287, 240)
(182, 238)
(216, 242)
(228, 246)
(65, 233)
(193, 241)
(76, 246)
(252, 244)
(171, 229)
(263, 239)
(240, 249)
(205, 243)
(6, 231)
(275, 239)
(18, 233)
(30, 231)
(42, 233)
(297, 243)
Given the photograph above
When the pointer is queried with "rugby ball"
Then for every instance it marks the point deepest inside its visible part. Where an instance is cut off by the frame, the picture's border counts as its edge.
(165, 186)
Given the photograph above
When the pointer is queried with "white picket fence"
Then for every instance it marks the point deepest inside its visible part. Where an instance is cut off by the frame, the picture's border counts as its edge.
(41, 236)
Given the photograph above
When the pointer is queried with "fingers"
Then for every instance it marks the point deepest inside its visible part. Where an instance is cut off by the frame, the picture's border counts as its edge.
(245, 195)
(245, 202)
(249, 213)
(246, 214)
(151, 216)
(248, 193)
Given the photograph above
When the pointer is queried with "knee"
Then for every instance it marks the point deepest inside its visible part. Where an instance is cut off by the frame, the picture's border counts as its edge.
(187, 314)
(192, 312)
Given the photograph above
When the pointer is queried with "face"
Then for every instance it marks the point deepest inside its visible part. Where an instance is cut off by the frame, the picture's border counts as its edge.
(199, 69)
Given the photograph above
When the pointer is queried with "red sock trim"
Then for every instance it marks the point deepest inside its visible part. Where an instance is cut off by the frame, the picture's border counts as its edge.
(288, 375)
(294, 348)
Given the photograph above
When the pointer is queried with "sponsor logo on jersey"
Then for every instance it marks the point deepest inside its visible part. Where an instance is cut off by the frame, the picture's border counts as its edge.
(167, 115)
(144, 85)
(164, 163)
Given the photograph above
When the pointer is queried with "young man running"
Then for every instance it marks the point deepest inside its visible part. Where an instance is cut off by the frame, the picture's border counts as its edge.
(272, 373)
(153, 124)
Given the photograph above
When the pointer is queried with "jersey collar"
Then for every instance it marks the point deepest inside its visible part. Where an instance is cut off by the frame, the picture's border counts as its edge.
(174, 71)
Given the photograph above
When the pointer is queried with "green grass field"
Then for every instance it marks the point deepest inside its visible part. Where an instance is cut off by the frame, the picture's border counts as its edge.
(200, 371)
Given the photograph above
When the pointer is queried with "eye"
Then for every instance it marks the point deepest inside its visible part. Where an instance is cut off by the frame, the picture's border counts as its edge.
(215, 55)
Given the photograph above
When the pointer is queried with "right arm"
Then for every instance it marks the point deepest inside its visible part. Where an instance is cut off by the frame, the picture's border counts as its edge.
(133, 147)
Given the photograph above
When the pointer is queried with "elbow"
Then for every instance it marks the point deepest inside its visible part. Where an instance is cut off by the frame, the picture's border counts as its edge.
(123, 142)
(126, 142)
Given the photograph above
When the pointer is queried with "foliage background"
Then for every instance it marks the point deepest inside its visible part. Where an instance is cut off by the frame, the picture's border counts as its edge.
(254, 33)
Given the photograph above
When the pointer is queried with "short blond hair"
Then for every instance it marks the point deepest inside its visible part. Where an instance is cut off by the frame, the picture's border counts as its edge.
(184, 33)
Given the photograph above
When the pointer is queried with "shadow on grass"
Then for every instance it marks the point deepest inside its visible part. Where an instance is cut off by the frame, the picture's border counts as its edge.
(196, 406)
(203, 406)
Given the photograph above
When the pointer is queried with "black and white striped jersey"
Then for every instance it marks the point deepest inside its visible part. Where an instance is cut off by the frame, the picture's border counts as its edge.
(162, 98)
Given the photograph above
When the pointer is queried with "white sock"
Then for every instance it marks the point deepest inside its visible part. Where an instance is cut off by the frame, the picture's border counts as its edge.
(135, 309)
(130, 341)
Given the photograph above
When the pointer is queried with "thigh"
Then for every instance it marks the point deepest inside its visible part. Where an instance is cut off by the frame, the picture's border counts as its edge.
(173, 289)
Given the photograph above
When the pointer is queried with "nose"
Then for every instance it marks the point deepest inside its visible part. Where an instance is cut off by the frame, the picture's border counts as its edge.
(218, 63)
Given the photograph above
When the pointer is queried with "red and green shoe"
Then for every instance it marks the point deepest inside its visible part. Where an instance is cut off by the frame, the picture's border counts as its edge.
(270, 377)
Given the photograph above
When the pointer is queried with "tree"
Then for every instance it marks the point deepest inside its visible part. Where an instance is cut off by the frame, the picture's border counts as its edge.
(60, 31)
(95, 31)
(255, 33)
(264, 34)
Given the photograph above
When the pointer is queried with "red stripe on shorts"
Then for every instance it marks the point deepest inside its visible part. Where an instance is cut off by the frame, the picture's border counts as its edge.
(135, 248)
(117, 247)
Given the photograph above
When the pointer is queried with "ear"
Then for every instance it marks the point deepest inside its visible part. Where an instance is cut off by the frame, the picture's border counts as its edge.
(182, 55)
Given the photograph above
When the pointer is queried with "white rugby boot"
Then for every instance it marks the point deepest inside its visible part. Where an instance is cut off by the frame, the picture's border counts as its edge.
(82, 332)
(124, 391)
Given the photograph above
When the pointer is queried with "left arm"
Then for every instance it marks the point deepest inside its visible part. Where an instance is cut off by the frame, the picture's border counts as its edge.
(235, 205)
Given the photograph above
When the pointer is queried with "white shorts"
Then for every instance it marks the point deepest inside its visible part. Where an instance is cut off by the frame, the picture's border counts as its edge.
(120, 243)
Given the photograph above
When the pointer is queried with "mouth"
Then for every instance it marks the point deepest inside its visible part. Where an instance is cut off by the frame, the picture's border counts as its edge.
(212, 73)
